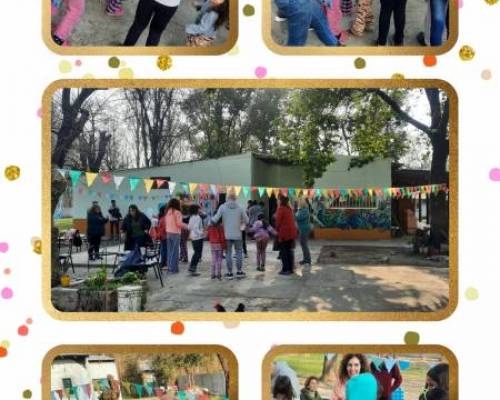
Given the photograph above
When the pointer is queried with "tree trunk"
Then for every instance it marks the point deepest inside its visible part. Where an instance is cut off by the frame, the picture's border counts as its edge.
(225, 367)
(58, 187)
(327, 370)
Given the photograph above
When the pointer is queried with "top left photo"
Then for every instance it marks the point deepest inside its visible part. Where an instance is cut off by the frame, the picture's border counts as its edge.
(142, 27)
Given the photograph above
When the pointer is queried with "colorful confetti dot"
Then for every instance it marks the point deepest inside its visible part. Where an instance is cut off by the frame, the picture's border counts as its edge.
(234, 51)
(495, 174)
(430, 60)
(5, 344)
(114, 62)
(248, 10)
(65, 67)
(39, 113)
(78, 63)
(460, 3)
(260, 72)
(27, 394)
(37, 246)
(7, 271)
(7, 293)
(231, 324)
(486, 74)
(466, 53)
(491, 2)
(23, 330)
(397, 75)
(359, 63)
(12, 172)
(3, 352)
(126, 73)
(29, 321)
(177, 328)
(471, 294)
(412, 337)
(4, 247)
(164, 62)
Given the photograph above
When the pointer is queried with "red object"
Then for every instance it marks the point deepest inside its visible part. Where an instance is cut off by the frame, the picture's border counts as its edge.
(216, 235)
(106, 178)
(285, 224)
(388, 381)
(23, 330)
(162, 228)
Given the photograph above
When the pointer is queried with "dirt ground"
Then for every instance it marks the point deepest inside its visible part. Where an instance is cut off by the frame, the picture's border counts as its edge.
(98, 29)
(351, 281)
(415, 22)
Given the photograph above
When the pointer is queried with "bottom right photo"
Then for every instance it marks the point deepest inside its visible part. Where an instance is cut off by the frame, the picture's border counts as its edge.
(360, 373)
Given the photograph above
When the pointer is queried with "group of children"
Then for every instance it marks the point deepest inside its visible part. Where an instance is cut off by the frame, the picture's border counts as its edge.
(360, 379)
(153, 13)
(325, 18)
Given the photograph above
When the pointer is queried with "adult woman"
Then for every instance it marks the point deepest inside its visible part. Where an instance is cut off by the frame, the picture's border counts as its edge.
(303, 218)
(95, 231)
(310, 390)
(350, 366)
(437, 378)
(287, 233)
(135, 226)
(174, 225)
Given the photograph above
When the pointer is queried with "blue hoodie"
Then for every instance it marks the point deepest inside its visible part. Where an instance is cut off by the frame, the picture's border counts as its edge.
(233, 216)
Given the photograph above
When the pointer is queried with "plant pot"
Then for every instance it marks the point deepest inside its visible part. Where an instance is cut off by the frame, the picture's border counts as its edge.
(65, 281)
(98, 300)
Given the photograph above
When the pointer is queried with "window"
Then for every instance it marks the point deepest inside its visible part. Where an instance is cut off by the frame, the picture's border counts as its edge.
(67, 384)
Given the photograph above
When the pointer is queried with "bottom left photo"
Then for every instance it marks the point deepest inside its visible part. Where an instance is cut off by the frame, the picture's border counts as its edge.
(140, 372)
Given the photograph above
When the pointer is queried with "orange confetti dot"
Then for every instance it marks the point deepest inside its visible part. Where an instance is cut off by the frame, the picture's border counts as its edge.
(6, 271)
(23, 330)
(177, 328)
(29, 321)
(430, 61)
(3, 352)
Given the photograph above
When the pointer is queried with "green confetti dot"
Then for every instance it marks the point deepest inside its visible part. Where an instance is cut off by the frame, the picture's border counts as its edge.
(471, 294)
(27, 394)
(114, 62)
(248, 10)
(412, 337)
(360, 63)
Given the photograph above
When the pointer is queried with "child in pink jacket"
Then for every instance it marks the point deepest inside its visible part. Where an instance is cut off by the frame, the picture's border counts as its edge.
(72, 15)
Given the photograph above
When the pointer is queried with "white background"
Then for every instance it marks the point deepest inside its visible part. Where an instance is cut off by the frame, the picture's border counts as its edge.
(28, 67)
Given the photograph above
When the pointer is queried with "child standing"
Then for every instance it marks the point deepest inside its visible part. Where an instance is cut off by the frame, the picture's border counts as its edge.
(155, 13)
(262, 232)
(363, 18)
(184, 234)
(196, 234)
(213, 14)
(396, 9)
(74, 12)
(217, 243)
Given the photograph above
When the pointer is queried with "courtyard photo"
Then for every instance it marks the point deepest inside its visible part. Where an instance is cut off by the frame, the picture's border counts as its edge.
(251, 200)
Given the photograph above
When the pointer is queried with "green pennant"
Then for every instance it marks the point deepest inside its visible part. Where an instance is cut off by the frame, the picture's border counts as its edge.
(75, 177)
(291, 192)
(318, 192)
(185, 187)
(246, 191)
(133, 183)
(261, 191)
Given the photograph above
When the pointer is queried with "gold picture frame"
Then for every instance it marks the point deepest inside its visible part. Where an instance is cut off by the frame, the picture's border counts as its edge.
(146, 349)
(253, 316)
(141, 50)
(343, 349)
(358, 50)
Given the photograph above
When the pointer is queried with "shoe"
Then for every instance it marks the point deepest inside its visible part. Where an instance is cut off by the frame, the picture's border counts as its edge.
(194, 273)
(219, 277)
(277, 18)
(240, 274)
(285, 273)
(213, 277)
(118, 12)
(302, 262)
(421, 39)
(246, 255)
(229, 275)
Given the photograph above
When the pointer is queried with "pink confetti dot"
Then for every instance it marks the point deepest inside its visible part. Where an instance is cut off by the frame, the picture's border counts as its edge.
(460, 3)
(6, 271)
(39, 113)
(7, 293)
(495, 174)
(78, 63)
(4, 247)
(260, 72)
(29, 321)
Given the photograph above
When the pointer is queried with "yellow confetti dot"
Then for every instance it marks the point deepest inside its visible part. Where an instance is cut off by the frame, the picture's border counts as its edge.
(114, 62)
(234, 51)
(412, 337)
(397, 75)
(88, 76)
(5, 344)
(486, 74)
(471, 294)
(27, 394)
(248, 10)
(126, 73)
(466, 53)
(12, 172)
(65, 66)
(360, 63)
(491, 2)
(231, 324)
(164, 62)
(37, 246)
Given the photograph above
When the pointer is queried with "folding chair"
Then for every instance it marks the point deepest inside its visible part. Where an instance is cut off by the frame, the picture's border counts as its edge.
(152, 259)
(66, 258)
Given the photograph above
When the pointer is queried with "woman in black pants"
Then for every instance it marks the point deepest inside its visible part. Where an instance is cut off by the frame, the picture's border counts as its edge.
(155, 13)
(397, 8)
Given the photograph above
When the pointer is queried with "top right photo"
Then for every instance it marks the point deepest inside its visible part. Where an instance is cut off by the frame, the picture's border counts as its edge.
(391, 27)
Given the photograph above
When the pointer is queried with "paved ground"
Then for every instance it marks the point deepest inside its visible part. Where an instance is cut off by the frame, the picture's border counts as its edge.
(338, 285)
(415, 22)
(98, 29)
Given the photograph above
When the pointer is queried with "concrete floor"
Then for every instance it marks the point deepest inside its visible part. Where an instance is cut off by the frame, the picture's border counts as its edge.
(98, 29)
(415, 22)
(338, 285)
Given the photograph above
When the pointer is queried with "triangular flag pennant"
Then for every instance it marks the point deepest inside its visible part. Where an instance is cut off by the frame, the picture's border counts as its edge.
(159, 183)
(269, 191)
(74, 392)
(62, 172)
(389, 363)
(118, 181)
(67, 393)
(133, 183)
(377, 362)
(261, 191)
(213, 189)
(284, 192)
(60, 392)
(185, 187)
(253, 189)
(291, 192)
(276, 192)
(182, 395)
(298, 191)
(148, 184)
(192, 187)
(171, 187)
(90, 178)
(75, 177)
(325, 193)
(54, 395)
(403, 365)
(220, 189)
(229, 189)
(237, 190)
(88, 390)
(318, 193)
(246, 191)
(106, 178)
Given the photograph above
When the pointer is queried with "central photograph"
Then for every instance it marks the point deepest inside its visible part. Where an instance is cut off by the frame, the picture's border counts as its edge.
(311, 202)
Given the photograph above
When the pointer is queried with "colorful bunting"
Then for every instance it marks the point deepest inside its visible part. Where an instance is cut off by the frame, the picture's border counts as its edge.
(192, 187)
(62, 172)
(171, 187)
(133, 183)
(389, 363)
(182, 395)
(75, 177)
(148, 184)
(160, 183)
(403, 365)
(261, 191)
(213, 189)
(246, 191)
(118, 181)
(237, 190)
(90, 178)
(106, 177)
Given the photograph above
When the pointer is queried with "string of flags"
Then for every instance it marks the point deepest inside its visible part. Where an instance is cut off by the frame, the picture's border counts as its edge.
(87, 179)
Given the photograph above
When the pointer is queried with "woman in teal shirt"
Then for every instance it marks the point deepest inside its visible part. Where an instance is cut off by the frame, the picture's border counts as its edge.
(303, 218)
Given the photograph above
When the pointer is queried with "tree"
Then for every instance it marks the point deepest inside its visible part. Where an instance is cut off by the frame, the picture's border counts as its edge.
(224, 364)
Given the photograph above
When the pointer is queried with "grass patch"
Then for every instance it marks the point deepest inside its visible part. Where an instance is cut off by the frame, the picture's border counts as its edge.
(63, 224)
(304, 364)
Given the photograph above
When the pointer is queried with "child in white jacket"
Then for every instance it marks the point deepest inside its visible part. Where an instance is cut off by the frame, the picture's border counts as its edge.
(197, 235)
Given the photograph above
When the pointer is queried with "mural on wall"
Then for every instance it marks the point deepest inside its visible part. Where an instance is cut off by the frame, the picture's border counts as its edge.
(356, 218)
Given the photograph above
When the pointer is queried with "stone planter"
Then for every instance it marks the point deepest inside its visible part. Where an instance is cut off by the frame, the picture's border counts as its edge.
(98, 300)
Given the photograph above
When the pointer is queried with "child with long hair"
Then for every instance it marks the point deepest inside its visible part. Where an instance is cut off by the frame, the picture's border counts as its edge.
(72, 16)
(213, 14)
(262, 233)
(217, 244)
(197, 235)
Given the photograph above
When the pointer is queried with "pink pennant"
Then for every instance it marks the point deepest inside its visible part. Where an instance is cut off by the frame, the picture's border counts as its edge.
(160, 182)
(106, 178)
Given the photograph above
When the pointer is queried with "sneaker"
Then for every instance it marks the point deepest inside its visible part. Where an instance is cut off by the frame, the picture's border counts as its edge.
(421, 39)
(194, 273)
(240, 274)
(285, 273)
(229, 275)
(246, 255)
(277, 18)
(219, 277)
(213, 277)
(118, 12)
